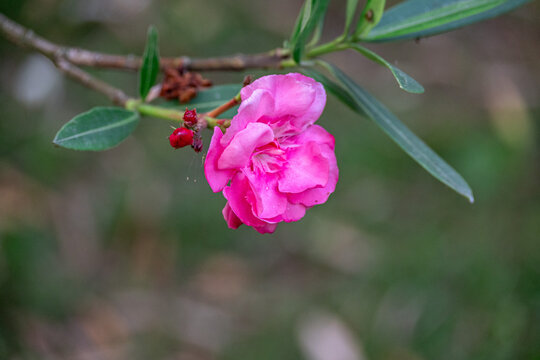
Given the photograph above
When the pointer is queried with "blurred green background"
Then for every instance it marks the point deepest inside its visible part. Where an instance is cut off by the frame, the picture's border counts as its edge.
(125, 255)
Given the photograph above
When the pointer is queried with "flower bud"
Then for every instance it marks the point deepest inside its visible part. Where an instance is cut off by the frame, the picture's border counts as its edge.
(181, 137)
(190, 117)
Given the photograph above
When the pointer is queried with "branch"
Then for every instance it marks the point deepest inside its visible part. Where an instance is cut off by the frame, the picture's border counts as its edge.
(116, 95)
(25, 37)
(240, 62)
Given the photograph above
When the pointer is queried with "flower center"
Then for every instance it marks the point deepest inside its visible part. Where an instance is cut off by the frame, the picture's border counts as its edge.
(268, 158)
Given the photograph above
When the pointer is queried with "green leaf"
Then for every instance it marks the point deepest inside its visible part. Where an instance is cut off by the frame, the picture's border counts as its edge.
(405, 82)
(349, 14)
(319, 8)
(404, 137)
(98, 129)
(317, 33)
(300, 23)
(370, 17)
(334, 88)
(207, 100)
(150, 63)
(417, 18)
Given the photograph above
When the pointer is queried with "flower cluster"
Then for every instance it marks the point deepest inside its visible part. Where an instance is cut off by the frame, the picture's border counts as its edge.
(273, 163)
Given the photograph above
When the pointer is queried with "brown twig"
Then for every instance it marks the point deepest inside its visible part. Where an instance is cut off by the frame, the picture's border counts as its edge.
(25, 37)
(131, 62)
(116, 95)
(222, 108)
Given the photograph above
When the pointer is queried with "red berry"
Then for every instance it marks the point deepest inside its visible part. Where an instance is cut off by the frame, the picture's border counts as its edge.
(190, 117)
(181, 137)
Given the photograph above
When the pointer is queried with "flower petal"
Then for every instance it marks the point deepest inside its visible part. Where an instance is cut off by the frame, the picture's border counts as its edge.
(217, 178)
(298, 101)
(232, 220)
(266, 229)
(260, 103)
(294, 212)
(306, 168)
(269, 202)
(240, 199)
(319, 195)
(313, 133)
(239, 150)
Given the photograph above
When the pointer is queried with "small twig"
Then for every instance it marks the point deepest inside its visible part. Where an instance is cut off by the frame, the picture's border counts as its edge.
(156, 111)
(116, 95)
(222, 108)
(25, 37)
(131, 62)
(213, 122)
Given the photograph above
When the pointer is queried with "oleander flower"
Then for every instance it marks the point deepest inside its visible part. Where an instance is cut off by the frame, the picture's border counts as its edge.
(272, 163)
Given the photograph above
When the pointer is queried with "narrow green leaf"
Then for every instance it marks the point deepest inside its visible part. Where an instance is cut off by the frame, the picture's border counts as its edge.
(370, 17)
(207, 100)
(301, 21)
(405, 82)
(317, 33)
(334, 88)
(98, 129)
(404, 137)
(349, 14)
(417, 18)
(150, 63)
(319, 8)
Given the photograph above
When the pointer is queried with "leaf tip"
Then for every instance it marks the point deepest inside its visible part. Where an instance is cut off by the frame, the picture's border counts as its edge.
(467, 193)
(56, 141)
(152, 30)
(413, 90)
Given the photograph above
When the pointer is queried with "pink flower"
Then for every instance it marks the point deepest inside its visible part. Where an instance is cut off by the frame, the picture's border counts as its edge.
(272, 163)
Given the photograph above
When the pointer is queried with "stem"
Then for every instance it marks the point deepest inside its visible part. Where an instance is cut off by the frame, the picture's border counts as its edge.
(213, 122)
(131, 62)
(222, 108)
(26, 38)
(116, 95)
(174, 115)
(287, 63)
(334, 45)
(155, 111)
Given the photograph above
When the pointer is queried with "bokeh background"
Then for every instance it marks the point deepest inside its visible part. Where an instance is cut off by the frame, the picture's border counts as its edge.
(125, 255)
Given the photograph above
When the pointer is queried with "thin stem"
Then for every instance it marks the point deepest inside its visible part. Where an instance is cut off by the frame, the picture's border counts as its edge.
(156, 111)
(222, 108)
(25, 37)
(213, 122)
(174, 115)
(131, 62)
(332, 46)
(116, 95)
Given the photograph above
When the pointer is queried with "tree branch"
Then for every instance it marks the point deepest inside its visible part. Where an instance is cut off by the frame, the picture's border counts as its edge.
(25, 37)
(116, 95)
(240, 62)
